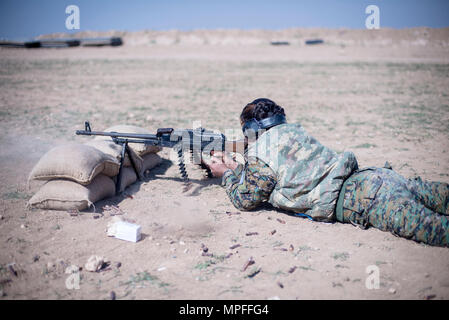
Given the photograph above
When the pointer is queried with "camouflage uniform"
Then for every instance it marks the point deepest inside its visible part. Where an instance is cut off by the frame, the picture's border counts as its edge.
(295, 172)
(249, 186)
(410, 208)
(309, 175)
(299, 173)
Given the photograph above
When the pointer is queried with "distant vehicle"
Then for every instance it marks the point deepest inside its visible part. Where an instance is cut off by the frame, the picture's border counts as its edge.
(280, 43)
(64, 43)
(99, 42)
(314, 41)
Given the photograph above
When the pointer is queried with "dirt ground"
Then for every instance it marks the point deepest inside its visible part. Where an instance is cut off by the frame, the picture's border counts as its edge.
(383, 98)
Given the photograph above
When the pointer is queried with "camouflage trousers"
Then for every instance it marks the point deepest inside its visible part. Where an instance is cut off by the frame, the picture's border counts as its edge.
(409, 208)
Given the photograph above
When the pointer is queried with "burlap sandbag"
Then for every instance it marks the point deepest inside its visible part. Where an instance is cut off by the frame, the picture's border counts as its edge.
(68, 195)
(128, 177)
(140, 148)
(115, 150)
(77, 162)
(150, 161)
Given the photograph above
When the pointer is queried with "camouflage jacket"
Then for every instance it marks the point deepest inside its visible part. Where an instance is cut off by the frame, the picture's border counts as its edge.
(247, 187)
(308, 175)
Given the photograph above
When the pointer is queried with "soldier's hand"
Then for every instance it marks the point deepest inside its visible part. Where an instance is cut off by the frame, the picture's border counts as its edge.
(227, 159)
(219, 162)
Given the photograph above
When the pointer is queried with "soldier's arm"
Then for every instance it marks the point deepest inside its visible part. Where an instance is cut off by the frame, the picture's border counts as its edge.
(247, 187)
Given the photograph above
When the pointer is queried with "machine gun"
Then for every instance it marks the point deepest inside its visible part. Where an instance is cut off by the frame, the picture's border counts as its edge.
(197, 141)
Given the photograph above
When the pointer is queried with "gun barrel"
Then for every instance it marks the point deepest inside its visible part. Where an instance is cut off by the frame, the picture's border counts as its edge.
(117, 134)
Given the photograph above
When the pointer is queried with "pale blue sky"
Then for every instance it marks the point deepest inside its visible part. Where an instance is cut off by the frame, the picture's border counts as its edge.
(23, 19)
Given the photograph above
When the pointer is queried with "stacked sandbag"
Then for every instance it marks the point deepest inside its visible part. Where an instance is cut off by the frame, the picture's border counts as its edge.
(149, 161)
(68, 195)
(128, 177)
(144, 156)
(77, 162)
(115, 150)
(77, 175)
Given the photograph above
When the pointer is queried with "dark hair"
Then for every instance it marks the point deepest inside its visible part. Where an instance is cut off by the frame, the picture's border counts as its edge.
(260, 109)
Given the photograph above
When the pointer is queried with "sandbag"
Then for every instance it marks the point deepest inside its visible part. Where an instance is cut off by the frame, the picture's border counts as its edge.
(68, 195)
(140, 148)
(128, 177)
(115, 150)
(77, 162)
(150, 161)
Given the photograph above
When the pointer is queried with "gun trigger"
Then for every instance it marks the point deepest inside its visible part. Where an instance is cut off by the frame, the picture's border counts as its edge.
(87, 126)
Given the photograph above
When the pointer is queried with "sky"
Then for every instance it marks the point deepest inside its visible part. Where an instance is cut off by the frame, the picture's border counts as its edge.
(26, 19)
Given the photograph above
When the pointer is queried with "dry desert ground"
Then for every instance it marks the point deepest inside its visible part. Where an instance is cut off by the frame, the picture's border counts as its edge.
(382, 94)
